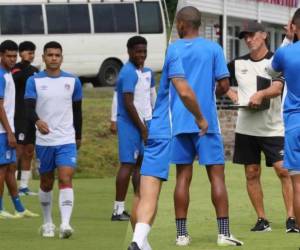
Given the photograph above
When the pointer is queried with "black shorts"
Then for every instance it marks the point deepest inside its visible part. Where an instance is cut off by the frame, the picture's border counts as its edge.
(248, 148)
(24, 132)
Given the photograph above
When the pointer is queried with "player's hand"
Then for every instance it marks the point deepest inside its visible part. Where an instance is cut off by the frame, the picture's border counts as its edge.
(42, 127)
(12, 142)
(113, 127)
(78, 143)
(290, 31)
(144, 133)
(256, 100)
(203, 126)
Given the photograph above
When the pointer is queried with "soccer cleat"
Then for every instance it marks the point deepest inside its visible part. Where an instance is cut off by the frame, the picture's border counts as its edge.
(25, 214)
(120, 217)
(262, 225)
(291, 226)
(133, 246)
(183, 240)
(26, 191)
(48, 230)
(65, 231)
(6, 215)
(224, 241)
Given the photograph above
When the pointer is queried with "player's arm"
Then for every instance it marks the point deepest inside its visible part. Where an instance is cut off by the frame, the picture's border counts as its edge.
(188, 98)
(4, 121)
(273, 91)
(153, 93)
(77, 121)
(232, 93)
(222, 87)
(133, 114)
(113, 119)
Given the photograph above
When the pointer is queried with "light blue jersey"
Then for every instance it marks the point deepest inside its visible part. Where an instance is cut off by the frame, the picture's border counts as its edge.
(204, 63)
(160, 127)
(138, 82)
(287, 60)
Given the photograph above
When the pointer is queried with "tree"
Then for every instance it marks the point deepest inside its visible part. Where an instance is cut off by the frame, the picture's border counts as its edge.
(172, 4)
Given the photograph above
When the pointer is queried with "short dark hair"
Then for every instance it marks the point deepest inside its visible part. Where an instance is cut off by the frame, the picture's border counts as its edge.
(135, 40)
(190, 15)
(8, 45)
(52, 45)
(27, 46)
(296, 18)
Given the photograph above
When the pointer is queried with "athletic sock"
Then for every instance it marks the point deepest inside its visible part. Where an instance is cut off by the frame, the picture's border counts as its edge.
(1, 203)
(119, 207)
(18, 204)
(66, 201)
(46, 203)
(223, 225)
(140, 234)
(25, 176)
(181, 227)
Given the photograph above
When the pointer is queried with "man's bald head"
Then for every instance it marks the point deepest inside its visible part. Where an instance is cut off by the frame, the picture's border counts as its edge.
(191, 16)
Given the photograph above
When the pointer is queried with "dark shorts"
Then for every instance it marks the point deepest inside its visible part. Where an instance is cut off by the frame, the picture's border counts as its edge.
(24, 132)
(248, 148)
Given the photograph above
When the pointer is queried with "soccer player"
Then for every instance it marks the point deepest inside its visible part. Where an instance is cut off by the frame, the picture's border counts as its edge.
(155, 166)
(135, 100)
(25, 131)
(259, 130)
(204, 65)
(286, 61)
(8, 53)
(53, 100)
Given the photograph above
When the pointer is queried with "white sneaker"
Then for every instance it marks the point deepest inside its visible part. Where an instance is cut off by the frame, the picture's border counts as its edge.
(183, 240)
(6, 215)
(65, 231)
(48, 230)
(224, 241)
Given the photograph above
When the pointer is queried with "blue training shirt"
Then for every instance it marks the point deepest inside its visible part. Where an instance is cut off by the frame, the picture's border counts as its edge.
(138, 82)
(287, 61)
(204, 63)
(160, 127)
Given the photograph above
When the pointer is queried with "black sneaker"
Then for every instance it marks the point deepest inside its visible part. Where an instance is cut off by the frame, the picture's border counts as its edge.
(291, 226)
(262, 225)
(133, 246)
(120, 217)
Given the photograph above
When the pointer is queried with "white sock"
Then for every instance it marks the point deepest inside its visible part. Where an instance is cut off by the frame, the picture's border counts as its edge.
(46, 203)
(25, 177)
(66, 201)
(146, 245)
(140, 234)
(119, 207)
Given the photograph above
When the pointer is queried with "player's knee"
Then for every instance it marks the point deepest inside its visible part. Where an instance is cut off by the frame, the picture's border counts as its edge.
(65, 182)
(28, 154)
(252, 174)
(282, 173)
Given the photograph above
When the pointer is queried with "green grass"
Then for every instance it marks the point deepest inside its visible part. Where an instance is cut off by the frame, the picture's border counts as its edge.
(94, 231)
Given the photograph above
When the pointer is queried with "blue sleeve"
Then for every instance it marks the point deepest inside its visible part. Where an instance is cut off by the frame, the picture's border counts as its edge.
(174, 64)
(77, 94)
(220, 66)
(152, 79)
(2, 86)
(277, 63)
(128, 80)
(30, 90)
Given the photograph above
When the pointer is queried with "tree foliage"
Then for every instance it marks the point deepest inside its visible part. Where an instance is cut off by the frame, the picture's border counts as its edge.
(172, 4)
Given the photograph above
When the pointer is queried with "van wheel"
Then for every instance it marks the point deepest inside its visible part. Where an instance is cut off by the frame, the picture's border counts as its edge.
(108, 73)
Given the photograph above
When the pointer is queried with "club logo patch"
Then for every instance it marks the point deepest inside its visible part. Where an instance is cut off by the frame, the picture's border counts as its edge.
(67, 86)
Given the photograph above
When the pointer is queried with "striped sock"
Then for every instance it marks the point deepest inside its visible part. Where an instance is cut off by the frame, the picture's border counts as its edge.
(181, 227)
(223, 225)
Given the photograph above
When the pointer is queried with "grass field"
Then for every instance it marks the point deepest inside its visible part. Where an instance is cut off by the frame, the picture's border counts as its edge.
(94, 231)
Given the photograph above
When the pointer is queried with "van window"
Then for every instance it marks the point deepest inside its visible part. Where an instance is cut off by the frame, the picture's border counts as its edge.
(149, 16)
(21, 19)
(114, 18)
(68, 18)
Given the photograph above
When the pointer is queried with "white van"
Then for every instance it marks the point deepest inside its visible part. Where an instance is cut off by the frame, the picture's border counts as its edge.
(93, 33)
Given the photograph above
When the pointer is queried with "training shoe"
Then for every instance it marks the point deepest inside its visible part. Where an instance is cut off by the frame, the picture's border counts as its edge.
(262, 225)
(183, 240)
(291, 226)
(26, 191)
(133, 246)
(6, 215)
(65, 231)
(224, 241)
(26, 213)
(120, 217)
(48, 230)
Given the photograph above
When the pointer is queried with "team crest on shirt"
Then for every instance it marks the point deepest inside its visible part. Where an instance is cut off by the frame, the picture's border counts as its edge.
(67, 86)
(44, 87)
(244, 71)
